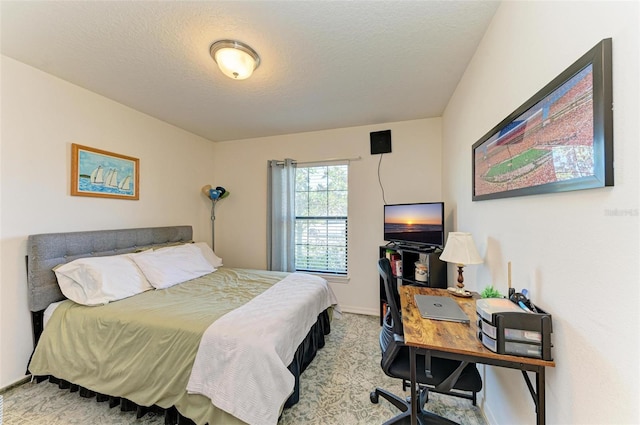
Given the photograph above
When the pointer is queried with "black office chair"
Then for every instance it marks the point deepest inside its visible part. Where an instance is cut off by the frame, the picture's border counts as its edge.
(445, 376)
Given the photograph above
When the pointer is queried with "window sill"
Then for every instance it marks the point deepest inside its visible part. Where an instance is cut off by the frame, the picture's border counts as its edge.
(333, 278)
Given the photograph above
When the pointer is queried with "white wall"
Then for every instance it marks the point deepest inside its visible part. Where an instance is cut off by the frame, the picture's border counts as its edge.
(410, 173)
(579, 261)
(41, 117)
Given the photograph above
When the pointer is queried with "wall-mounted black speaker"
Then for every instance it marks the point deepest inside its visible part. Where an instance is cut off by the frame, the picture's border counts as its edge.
(380, 141)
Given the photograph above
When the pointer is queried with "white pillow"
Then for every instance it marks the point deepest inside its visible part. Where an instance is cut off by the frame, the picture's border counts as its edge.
(206, 251)
(99, 280)
(172, 265)
(208, 254)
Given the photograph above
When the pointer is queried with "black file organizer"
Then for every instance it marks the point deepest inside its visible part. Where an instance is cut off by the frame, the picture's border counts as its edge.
(511, 329)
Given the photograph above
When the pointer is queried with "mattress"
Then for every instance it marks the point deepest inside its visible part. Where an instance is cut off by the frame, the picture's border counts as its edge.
(126, 348)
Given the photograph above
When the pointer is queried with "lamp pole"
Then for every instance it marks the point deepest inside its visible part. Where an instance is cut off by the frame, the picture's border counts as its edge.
(214, 195)
(213, 224)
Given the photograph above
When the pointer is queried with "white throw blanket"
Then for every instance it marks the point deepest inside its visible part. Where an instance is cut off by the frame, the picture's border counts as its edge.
(242, 361)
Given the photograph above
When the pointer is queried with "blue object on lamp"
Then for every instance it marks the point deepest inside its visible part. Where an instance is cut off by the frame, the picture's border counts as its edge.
(215, 194)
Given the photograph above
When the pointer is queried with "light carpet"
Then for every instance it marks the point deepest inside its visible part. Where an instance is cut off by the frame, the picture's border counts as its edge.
(334, 390)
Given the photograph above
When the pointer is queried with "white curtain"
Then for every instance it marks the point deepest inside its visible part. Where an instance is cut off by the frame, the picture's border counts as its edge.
(281, 215)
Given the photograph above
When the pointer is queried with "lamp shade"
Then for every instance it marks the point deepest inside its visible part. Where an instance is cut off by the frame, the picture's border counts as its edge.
(236, 60)
(460, 249)
(215, 193)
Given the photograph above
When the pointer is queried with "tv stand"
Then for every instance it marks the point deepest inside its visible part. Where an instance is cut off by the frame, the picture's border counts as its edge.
(408, 255)
(413, 248)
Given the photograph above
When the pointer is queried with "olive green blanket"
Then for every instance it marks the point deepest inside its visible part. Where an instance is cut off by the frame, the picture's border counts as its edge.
(142, 348)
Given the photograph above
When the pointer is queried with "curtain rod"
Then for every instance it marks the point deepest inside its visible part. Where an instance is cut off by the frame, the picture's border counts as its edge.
(357, 158)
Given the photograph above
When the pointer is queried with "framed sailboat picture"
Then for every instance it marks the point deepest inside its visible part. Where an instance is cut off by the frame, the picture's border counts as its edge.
(103, 174)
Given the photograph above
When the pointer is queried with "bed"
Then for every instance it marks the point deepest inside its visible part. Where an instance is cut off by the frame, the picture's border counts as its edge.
(226, 347)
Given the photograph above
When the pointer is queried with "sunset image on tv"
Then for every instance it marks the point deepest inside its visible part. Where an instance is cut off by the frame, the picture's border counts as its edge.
(419, 223)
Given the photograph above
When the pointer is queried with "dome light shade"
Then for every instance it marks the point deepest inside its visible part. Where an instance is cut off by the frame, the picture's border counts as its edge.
(236, 60)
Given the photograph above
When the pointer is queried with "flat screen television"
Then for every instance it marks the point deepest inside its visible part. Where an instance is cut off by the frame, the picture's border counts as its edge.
(420, 225)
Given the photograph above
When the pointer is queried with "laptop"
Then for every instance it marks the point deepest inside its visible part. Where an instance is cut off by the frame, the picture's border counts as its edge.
(440, 308)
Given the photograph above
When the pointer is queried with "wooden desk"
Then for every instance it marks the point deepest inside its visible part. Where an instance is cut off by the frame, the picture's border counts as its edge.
(460, 341)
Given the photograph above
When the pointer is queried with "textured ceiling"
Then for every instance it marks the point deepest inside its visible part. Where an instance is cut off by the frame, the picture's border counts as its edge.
(325, 64)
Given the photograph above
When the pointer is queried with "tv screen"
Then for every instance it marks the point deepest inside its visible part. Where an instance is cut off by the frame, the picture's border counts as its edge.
(415, 224)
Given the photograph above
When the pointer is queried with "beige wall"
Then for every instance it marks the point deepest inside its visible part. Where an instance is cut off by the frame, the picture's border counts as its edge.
(410, 173)
(579, 261)
(41, 117)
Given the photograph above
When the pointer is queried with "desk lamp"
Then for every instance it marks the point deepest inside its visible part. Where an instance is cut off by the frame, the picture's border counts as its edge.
(460, 249)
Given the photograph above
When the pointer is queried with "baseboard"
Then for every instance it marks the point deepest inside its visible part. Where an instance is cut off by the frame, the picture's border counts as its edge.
(488, 414)
(489, 418)
(15, 384)
(359, 310)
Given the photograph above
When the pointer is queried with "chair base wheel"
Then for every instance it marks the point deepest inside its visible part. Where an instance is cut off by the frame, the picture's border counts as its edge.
(373, 396)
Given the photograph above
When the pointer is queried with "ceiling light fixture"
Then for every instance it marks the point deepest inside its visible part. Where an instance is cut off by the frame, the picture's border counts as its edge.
(236, 60)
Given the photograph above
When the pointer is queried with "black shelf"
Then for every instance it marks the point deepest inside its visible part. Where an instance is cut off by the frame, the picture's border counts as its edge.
(436, 269)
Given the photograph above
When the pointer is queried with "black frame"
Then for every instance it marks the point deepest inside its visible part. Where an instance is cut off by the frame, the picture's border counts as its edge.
(600, 58)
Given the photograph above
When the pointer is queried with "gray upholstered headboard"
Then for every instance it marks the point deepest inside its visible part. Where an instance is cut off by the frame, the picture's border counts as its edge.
(46, 251)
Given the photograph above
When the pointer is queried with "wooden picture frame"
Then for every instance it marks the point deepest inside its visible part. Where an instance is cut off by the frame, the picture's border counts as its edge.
(103, 174)
(561, 139)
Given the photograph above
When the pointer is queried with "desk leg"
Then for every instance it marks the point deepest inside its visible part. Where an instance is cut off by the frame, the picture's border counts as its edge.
(538, 394)
(540, 384)
(414, 395)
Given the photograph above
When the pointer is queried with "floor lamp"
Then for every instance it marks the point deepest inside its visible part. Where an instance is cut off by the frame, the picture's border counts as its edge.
(214, 195)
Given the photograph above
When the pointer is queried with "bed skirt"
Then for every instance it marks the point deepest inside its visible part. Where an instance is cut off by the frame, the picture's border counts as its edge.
(305, 353)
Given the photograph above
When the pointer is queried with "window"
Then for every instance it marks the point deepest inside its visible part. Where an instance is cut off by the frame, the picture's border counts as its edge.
(321, 218)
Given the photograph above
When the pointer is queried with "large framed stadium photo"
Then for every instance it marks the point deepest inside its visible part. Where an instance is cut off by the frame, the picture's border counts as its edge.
(561, 139)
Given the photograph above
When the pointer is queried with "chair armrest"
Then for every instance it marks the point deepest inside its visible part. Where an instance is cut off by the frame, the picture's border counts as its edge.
(390, 353)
